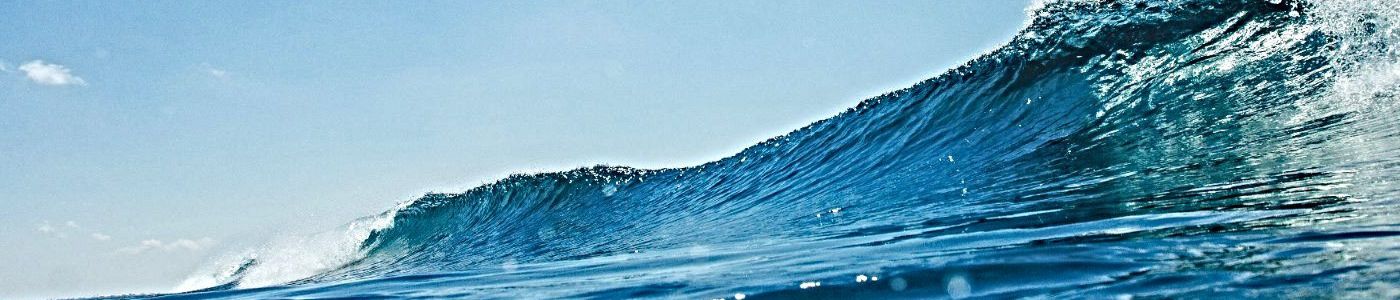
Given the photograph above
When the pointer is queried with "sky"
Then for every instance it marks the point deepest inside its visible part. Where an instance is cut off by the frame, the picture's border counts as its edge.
(140, 139)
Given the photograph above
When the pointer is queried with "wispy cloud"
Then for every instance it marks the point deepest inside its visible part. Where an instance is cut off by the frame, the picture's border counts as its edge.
(5, 67)
(69, 227)
(49, 229)
(44, 73)
(212, 71)
(218, 73)
(171, 246)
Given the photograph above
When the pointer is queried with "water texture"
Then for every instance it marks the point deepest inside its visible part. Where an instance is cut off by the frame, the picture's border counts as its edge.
(1112, 149)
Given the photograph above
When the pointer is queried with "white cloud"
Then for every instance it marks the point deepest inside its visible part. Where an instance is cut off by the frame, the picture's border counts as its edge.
(100, 236)
(216, 72)
(172, 246)
(53, 231)
(44, 73)
(61, 232)
(5, 67)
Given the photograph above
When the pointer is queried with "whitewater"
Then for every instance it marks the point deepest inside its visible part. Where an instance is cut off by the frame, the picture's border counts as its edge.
(1111, 149)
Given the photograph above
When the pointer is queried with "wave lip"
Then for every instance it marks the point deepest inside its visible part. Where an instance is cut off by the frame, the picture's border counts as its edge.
(291, 258)
(1173, 148)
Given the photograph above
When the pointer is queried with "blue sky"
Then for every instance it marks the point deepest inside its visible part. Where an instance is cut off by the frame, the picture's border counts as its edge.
(139, 139)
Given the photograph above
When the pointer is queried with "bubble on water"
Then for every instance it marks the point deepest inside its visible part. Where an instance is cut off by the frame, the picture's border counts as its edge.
(510, 265)
(898, 284)
(958, 287)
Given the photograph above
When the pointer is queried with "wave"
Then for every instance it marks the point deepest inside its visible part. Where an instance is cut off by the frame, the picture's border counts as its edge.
(1207, 148)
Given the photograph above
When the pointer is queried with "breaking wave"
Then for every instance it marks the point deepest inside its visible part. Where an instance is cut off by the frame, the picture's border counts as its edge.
(1187, 148)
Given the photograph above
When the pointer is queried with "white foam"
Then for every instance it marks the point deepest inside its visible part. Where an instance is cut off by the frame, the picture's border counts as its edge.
(1366, 54)
(289, 258)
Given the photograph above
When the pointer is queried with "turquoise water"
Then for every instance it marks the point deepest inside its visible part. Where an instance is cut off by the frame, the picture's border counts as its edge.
(1113, 149)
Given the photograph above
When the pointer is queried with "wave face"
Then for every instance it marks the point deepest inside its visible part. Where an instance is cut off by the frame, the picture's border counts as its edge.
(1218, 148)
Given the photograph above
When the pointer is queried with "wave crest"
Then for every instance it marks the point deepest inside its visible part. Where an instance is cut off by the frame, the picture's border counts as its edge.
(1102, 125)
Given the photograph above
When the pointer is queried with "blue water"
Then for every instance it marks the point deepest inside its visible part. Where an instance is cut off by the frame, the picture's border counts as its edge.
(1112, 149)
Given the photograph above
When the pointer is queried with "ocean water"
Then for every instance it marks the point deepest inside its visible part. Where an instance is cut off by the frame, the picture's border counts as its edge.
(1112, 149)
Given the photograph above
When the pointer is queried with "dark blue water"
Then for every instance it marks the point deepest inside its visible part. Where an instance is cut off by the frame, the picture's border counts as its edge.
(1113, 149)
